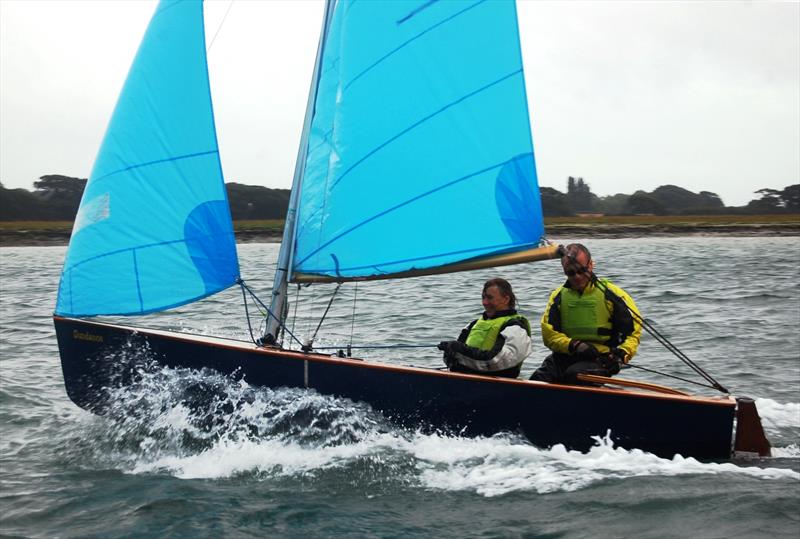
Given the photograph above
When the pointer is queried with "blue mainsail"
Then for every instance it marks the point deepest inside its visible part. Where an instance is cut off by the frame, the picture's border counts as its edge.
(419, 153)
(154, 229)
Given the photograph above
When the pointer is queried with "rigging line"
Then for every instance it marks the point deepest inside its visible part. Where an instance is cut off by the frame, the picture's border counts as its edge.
(310, 312)
(664, 341)
(280, 333)
(674, 349)
(247, 312)
(353, 317)
(707, 378)
(650, 329)
(328, 308)
(670, 376)
(296, 302)
(219, 27)
(365, 346)
(269, 312)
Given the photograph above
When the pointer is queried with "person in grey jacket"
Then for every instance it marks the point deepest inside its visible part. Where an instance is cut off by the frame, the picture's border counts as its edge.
(496, 343)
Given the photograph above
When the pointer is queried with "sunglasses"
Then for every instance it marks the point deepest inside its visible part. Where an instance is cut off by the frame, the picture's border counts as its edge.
(572, 272)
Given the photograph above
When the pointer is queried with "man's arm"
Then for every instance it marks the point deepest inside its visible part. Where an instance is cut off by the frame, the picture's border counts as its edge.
(630, 343)
(551, 325)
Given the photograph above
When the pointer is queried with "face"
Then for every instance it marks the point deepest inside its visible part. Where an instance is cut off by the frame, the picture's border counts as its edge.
(577, 281)
(494, 301)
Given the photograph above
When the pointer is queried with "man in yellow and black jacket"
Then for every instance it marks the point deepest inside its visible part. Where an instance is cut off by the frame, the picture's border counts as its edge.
(587, 324)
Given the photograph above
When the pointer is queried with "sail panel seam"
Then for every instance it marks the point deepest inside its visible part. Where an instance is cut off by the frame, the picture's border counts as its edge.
(376, 265)
(154, 309)
(420, 9)
(422, 121)
(157, 162)
(138, 281)
(398, 206)
(125, 249)
(410, 40)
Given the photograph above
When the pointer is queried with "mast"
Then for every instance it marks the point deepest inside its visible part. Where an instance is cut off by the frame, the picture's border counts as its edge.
(283, 269)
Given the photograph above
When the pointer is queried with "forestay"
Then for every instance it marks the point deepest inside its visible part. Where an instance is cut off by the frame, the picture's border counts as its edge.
(419, 154)
(154, 229)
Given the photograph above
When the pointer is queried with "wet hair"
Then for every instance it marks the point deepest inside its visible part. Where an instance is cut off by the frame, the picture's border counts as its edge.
(574, 248)
(504, 287)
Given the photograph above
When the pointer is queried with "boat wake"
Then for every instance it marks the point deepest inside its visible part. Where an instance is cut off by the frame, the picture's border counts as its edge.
(776, 415)
(201, 424)
(492, 469)
(781, 422)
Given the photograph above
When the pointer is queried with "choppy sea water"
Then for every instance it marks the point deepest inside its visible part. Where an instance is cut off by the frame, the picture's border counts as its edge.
(195, 454)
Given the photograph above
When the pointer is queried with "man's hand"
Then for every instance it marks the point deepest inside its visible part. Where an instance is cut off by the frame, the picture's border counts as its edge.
(613, 361)
(584, 351)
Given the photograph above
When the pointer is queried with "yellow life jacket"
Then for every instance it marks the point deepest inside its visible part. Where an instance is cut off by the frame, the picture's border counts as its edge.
(484, 332)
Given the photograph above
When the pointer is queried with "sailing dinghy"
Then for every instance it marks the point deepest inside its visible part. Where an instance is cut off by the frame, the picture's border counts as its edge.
(416, 158)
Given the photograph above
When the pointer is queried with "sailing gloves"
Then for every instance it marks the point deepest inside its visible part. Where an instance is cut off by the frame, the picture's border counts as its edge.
(449, 348)
(445, 346)
(613, 361)
(583, 351)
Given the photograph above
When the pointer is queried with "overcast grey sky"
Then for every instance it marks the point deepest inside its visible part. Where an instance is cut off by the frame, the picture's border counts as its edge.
(628, 95)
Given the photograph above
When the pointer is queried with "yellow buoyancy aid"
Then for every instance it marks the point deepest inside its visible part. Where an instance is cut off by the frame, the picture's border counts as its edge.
(585, 316)
(484, 332)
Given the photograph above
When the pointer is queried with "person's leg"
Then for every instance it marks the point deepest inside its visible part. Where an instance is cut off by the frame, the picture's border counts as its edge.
(549, 371)
(591, 366)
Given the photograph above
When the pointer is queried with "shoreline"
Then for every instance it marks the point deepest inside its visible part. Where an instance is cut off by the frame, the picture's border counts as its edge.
(44, 238)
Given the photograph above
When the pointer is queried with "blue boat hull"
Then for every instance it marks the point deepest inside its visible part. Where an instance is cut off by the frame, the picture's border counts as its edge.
(410, 396)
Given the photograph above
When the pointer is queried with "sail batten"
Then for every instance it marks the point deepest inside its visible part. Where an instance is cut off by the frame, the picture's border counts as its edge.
(407, 98)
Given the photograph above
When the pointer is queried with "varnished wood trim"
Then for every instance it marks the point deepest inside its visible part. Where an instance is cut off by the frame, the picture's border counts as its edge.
(629, 383)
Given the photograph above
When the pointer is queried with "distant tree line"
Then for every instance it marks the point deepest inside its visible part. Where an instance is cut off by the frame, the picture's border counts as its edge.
(56, 198)
(664, 200)
(256, 202)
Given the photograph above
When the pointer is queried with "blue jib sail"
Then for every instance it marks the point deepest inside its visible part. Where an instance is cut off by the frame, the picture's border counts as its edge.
(154, 229)
(419, 153)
